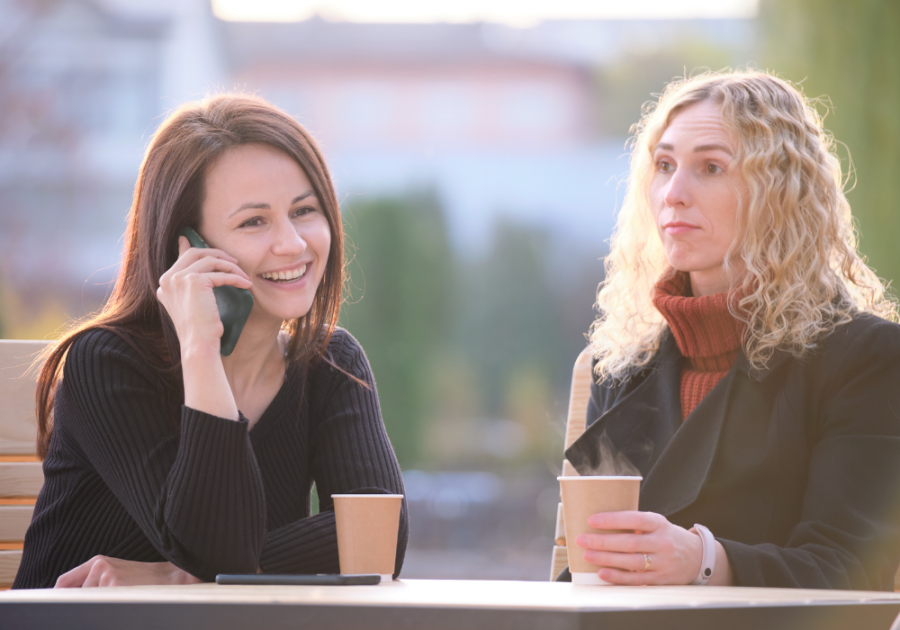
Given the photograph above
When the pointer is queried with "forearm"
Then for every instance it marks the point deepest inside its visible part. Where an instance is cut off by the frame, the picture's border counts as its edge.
(206, 386)
(305, 546)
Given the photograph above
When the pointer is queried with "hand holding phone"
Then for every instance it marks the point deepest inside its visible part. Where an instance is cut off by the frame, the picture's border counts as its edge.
(234, 304)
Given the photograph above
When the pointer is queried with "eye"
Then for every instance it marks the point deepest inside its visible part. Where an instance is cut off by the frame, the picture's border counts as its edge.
(254, 222)
(664, 167)
(299, 212)
(713, 169)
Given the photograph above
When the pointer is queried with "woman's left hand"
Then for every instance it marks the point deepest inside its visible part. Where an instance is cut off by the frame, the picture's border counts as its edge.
(105, 571)
(674, 553)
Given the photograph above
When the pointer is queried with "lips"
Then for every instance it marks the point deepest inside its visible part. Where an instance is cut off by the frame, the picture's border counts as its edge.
(678, 227)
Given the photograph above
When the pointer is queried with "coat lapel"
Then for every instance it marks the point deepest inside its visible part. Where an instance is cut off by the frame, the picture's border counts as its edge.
(639, 423)
(676, 478)
(674, 457)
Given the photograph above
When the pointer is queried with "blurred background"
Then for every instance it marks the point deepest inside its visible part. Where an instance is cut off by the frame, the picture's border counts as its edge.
(478, 150)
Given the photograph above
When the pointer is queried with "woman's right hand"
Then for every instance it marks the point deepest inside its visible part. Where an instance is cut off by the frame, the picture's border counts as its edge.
(186, 292)
(105, 571)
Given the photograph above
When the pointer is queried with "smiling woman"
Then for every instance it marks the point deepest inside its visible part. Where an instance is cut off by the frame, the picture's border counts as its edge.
(746, 358)
(167, 462)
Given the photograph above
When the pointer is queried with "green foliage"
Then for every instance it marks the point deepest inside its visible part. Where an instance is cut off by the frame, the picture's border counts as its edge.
(624, 87)
(511, 314)
(400, 294)
(850, 51)
(465, 348)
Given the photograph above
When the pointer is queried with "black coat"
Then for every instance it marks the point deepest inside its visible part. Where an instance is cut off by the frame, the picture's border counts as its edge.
(795, 469)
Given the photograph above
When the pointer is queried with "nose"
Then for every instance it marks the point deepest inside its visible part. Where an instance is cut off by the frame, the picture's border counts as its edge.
(287, 239)
(678, 189)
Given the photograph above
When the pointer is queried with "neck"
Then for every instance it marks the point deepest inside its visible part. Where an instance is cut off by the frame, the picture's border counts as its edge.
(705, 283)
(257, 355)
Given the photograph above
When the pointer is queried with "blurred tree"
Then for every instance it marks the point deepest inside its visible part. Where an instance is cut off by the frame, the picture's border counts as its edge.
(511, 314)
(850, 51)
(622, 88)
(399, 304)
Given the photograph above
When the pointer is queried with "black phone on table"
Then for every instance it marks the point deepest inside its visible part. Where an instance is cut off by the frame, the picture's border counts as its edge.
(302, 580)
(234, 303)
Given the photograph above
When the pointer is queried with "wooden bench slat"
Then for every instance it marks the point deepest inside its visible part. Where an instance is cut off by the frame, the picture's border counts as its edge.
(9, 565)
(559, 561)
(579, 395)
(18, 428)
(14, 521)
(21, 479)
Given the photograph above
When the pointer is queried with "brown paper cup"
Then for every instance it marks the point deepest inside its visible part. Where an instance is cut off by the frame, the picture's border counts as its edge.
(584, 496)
(367, 526)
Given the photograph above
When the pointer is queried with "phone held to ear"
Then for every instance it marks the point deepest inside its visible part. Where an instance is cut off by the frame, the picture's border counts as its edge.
(234, 303)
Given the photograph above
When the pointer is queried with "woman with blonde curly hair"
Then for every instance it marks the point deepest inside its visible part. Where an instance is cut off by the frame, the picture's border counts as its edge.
(746, 359)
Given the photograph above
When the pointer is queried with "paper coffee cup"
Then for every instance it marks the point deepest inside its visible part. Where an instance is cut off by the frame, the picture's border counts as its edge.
(367, 527)
(583, 497)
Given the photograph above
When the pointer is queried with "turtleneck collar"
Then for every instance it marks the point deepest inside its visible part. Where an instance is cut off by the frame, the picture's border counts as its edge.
(707, 334)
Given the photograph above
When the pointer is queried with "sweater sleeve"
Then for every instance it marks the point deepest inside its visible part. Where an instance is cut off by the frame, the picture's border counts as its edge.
(848, 535)
(192, 483)
(350, 454)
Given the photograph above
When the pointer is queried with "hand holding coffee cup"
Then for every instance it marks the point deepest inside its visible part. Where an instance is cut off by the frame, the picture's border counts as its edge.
(637, 548)
(583, 498)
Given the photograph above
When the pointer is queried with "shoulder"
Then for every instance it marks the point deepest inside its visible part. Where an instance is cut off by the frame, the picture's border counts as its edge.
(99, 354)
(343, 349)
(344, 359)
(866, 338)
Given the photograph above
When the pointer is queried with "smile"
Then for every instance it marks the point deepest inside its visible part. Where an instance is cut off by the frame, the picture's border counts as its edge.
(285, 276)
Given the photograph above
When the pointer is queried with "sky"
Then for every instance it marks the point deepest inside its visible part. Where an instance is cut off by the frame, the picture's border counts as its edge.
(512, 12)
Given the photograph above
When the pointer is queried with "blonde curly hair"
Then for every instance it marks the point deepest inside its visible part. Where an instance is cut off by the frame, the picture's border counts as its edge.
(799, 276)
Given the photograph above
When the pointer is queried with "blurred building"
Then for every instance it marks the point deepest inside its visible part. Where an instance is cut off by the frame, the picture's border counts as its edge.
(83, 83)
(494, 120)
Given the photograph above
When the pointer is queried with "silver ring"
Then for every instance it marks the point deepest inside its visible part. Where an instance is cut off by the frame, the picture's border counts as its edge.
(646, 562)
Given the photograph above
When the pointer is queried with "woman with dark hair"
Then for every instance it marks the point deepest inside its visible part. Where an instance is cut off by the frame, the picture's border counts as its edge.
(746, 358)
(166, 462)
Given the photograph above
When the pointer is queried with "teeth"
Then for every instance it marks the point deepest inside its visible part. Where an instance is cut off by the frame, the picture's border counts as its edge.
(286, 275)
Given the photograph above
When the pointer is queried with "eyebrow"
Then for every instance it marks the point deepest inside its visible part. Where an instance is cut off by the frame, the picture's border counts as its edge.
(698, 149)
(265, 206)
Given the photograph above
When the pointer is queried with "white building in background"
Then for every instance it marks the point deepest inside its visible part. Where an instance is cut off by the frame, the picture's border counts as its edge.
(495, 120)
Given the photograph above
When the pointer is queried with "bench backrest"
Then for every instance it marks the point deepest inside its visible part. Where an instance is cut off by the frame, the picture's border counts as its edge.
(21, 476)
(576, 420)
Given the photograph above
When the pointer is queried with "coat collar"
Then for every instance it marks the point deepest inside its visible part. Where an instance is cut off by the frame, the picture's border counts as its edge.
(645, 425)
(761, 374)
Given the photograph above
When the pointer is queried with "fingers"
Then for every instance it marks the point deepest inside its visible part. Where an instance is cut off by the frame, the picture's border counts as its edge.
(625, 561)
(220, 279)
(201, 263)
(619, 543)
(632, 520)
(76, 577)
(627, 578)
(203, 268)
(183, 245)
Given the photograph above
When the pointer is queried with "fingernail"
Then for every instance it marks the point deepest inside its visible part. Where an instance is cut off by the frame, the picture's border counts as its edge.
(581, 541)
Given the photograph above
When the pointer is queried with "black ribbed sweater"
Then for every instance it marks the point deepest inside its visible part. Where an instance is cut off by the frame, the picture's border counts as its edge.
(132, 474)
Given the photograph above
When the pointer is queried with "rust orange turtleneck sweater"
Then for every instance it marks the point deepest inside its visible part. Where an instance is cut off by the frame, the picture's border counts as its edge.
(708, 336)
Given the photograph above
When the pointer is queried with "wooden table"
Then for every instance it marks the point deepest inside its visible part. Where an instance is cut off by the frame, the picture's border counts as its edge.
(446, 604)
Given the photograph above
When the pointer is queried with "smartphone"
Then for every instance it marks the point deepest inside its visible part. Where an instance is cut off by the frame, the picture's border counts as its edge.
(234, 303)
(303, 580)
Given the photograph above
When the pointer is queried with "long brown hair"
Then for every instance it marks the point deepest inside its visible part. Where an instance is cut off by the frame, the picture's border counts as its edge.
(167, 197)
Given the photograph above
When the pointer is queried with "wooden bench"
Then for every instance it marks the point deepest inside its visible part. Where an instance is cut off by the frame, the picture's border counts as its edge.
(21, 476)
(576, 421)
